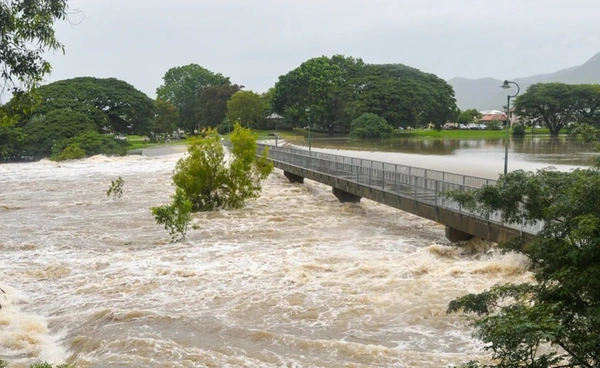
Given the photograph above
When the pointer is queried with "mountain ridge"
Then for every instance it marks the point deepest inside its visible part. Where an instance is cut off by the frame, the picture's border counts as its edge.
(484, 93)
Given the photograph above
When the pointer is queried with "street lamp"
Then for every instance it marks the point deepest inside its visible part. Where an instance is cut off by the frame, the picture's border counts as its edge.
(308, 112)
(506, 85)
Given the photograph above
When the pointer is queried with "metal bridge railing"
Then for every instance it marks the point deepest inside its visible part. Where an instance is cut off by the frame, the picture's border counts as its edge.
(423, 185)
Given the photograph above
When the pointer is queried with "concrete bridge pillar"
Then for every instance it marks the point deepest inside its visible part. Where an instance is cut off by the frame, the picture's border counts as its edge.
(455, 235)
(345, 197)
(293, 178)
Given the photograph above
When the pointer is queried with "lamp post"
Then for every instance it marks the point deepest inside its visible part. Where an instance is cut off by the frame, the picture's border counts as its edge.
(308, 112)
(506, 85)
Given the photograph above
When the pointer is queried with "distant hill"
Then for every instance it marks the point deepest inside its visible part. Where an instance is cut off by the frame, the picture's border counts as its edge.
(484, 93)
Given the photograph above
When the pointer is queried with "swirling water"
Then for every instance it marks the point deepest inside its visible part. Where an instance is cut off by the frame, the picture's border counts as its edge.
(296, 279)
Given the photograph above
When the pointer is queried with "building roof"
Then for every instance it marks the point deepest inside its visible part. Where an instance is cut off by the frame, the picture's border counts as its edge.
(491, 112)
(493, 117)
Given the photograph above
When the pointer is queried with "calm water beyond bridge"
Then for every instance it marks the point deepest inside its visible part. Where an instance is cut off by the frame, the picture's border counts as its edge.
(415, 190)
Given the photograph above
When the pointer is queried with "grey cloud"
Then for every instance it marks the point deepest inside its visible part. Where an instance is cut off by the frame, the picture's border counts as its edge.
(254, 42)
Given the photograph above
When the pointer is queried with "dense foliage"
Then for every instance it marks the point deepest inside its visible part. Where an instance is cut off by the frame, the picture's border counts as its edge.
(175, 216)
(124, 109)
(212, 101)
(554, 322)
(339, 89)
(557, 104)
(211, 184)
(166, 119)
(370, 126)
(80, 112)
(468, 116)
(27, 33)
(247, 108)
(181, 87)
(206, 181)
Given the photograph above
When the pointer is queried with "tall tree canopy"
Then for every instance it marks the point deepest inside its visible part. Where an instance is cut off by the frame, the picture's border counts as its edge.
(247, 108)
(26, 31)
(339, 89)
(25, 34)
(181, 87)
(468, 116)
(558, 104)
(166, 118)
(212, 104)
(126, 109)
(72, 107)
(307, 91)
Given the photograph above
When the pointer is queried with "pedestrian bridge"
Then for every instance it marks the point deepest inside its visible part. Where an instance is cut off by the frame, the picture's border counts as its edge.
(415, 190)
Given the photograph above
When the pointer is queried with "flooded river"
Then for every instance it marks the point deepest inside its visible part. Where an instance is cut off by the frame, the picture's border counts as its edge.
(296, 279)
(476, 157)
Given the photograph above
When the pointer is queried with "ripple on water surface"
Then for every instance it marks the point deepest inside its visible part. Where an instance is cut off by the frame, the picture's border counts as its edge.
(295, 278)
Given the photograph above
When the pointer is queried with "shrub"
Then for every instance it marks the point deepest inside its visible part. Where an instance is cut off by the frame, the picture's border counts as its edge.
(370, 126)
(94, 143)
(494, 125)
(209, 184)
(518, 131)
(176, 216)
(71, 152)
(116, 188)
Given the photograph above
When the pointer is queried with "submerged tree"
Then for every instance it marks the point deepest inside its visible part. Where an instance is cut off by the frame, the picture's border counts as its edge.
(205, 181)
(554, 322)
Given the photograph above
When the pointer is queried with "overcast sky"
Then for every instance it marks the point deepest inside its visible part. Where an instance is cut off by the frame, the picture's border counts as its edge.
(254, 42)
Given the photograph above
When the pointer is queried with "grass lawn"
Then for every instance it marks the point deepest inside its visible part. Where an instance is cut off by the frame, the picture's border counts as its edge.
(465, 134)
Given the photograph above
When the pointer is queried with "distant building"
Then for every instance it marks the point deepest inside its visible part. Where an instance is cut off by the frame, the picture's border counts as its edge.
(488, 116)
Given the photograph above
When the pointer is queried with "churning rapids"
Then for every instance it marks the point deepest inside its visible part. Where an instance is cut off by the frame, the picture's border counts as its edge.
(296, 279)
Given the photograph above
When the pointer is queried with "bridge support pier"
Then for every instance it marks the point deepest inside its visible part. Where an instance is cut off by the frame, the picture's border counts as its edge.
(455, 235)
(345, 197)
(293, 178)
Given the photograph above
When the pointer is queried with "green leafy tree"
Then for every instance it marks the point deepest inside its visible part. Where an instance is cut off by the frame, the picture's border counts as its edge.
(308, 89)
(555, 321)
(248, 108)
(91, 143)
(404, 96)
(116, 188)
(339, 89)
(181, 87)
(27, 33)
(206, 180)
(202, 174)
(42, 132)
(166, 118)
(587, 104)
(124, 109)
(246, 171)
(468, 116)
(554, 104)
(70, 152)
(176, 216)
(212, 103)
(370, 126)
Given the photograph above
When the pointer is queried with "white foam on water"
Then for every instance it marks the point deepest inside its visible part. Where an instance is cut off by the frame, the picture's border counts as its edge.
(294, 279)
(23, 336)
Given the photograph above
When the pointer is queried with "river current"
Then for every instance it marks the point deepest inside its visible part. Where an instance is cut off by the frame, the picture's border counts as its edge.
(296, 279)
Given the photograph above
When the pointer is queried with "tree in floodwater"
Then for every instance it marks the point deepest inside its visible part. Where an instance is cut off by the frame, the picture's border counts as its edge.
(554, 321)
(206, 181)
